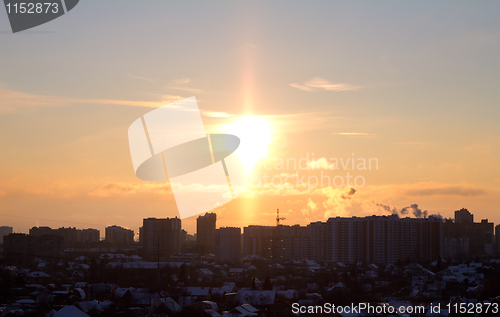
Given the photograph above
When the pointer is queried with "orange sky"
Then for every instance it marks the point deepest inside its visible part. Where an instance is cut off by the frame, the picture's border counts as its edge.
(414, 90)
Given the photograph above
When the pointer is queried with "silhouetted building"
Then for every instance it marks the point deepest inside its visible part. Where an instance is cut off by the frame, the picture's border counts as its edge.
(5, 231)
(228, 245)
(40, 231)
(375, 239)
(318, 241)
(48, 247)
(20, 248)
(183, 237)
(161, 236)
(205, 233)
(87, 236)
(497, 238)
(17, 248)
(463, 216)
(119, 237)
(464, 238)
(258, 240)
(72, 237)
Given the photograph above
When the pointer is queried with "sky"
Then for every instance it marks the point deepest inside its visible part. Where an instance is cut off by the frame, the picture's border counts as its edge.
(411, 85)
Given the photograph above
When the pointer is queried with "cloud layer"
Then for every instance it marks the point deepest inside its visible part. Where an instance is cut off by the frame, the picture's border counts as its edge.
(318, 83)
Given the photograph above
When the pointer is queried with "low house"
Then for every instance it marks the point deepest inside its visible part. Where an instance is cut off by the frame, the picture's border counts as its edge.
(165, 306)
(245, 310)
(256, 297)
(67, 311)
(200, 293)
(205, 274)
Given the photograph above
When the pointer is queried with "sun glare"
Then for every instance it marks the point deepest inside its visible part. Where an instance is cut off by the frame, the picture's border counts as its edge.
(255, 134)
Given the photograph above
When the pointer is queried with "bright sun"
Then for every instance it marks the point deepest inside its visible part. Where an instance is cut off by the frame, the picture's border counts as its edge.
(255, 134)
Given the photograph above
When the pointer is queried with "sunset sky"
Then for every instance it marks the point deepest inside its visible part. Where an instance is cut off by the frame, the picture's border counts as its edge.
(413, 84)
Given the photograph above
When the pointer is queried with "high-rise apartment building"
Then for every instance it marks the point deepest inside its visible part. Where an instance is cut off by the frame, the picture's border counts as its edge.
(228, 245)
(375, 239)
(258, 240)
(72, 237)
(88, 236)
(5, 231)
(465, 238)
(497, 238)
(118, 236)
(205, 233)
(17, 248)
(463, 216)
(21, 249)
(161, 236)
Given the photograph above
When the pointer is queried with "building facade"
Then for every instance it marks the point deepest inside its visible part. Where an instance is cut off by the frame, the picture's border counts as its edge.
(72, 238)
(464, 238)
(5, 231)
(119, 237)
(21, 249)
(161, 237)
(375, 239)
(205, 233)
(228, 245)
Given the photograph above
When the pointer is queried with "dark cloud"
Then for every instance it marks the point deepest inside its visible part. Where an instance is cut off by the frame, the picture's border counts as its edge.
(449, 190)
(351, 192)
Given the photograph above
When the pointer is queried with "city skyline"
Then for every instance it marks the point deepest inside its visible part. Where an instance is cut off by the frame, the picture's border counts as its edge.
(381, 240)
(209, 219)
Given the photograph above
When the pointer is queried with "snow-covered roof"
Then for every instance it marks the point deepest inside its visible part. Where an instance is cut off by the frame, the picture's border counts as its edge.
(69, 311)
(119, 292)
(143, 265)
(256, 297)
(197, 291)
(37, 274)
(89, 306)
(80, 292)
(205, 271)
(25, 301)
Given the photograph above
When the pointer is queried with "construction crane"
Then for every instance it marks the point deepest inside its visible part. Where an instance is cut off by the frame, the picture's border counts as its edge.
(278, 217)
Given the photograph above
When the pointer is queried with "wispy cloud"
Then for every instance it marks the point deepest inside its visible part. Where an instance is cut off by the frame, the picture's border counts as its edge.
(12, 101)
(151, 104)
(479, 148)
(358, 134)
(179, 85)
(410, 143)
(318, 83)
(182, 81)
(125, 189)
(141, 78)
(189, 89)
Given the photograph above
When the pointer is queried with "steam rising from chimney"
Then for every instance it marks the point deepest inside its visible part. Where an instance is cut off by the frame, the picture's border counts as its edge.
(413, 208)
